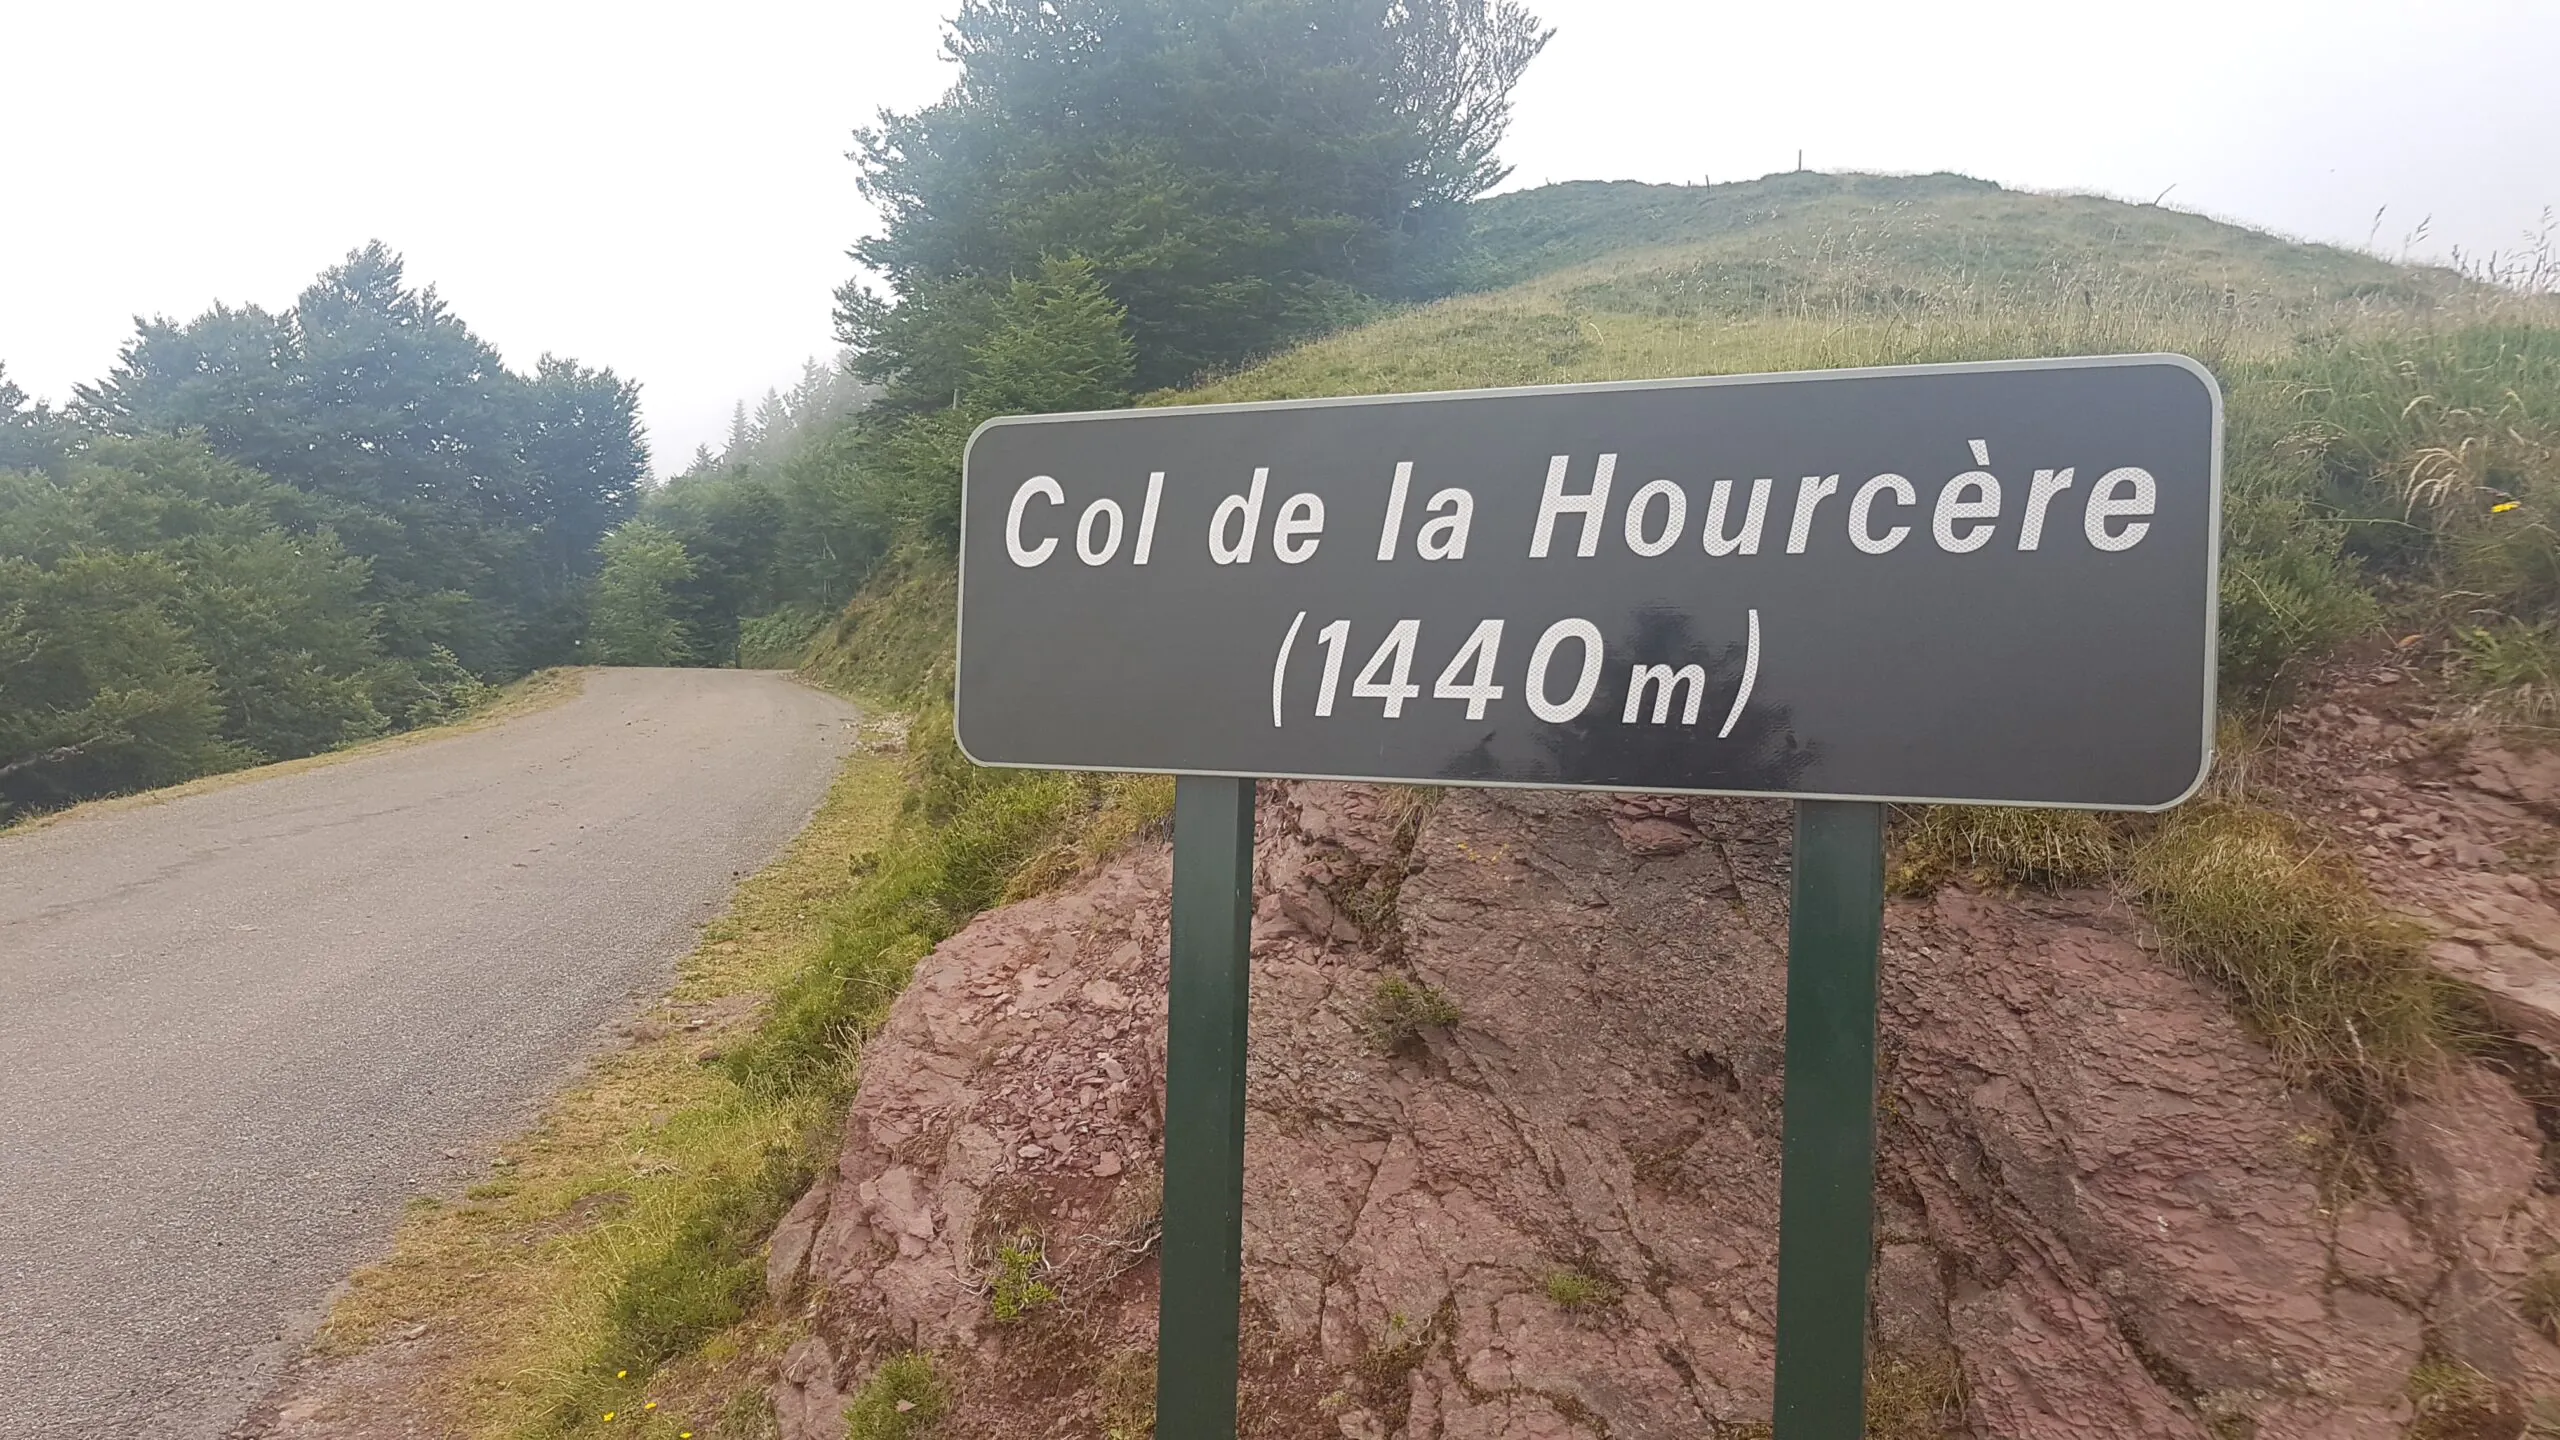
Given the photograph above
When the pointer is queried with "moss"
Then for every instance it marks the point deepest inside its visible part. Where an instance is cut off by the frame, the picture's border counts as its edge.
(903, 1400)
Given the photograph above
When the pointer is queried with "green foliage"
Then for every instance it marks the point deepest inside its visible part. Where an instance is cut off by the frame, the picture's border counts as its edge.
(634, 619)
(1237, 173)
(475, 496)
(861, 492)
(1014, 1287)
(31, 435)
(167, 613)
(902, 1400)
(1573, 1288)
(2335, 986)
(777, 639)
(965, 834)
(702, 1276)
(1400, 1009)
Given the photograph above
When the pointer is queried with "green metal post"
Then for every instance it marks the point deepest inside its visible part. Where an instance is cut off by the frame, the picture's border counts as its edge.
(1196, 1308)
(1826, 1201)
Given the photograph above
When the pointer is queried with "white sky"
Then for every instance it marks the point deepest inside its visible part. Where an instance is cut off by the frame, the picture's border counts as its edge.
(663, 189)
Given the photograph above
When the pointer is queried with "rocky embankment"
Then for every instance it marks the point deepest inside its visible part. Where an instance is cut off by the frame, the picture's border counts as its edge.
(2103, 1212)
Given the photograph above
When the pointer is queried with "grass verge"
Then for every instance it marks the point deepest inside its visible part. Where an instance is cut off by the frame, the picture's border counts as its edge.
(538, 691)
(614, 1266)
(625, 1227)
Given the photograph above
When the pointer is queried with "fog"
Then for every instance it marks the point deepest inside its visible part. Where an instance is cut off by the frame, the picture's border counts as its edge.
(664, 190)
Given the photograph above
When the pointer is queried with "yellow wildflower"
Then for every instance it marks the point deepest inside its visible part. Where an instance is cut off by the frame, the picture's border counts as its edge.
(2503, 506)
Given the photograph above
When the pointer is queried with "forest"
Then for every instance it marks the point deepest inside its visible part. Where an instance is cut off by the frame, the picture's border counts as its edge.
(265, 535)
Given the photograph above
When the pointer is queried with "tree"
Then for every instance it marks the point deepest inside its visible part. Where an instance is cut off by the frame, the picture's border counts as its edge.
(269, 611)
(30, 433)
(635, 617)
(99, 689)
(1238, 173)
(475, 495)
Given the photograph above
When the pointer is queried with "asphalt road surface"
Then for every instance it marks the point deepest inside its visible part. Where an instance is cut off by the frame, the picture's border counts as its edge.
(238, 1030)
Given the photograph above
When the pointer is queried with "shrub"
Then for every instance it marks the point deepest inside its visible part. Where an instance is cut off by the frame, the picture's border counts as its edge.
(1015, 1289)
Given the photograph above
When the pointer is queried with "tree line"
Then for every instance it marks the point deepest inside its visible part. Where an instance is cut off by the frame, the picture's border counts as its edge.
(263, 535)
(1113, 198)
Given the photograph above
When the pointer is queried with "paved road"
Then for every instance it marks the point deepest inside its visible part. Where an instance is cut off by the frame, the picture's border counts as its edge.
(238, 1030)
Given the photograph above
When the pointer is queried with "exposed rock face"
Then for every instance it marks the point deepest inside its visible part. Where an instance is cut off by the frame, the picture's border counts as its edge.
(1557, 1218)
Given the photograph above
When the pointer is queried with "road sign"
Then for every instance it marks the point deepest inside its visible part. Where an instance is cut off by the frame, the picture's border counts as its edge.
(1987, 582)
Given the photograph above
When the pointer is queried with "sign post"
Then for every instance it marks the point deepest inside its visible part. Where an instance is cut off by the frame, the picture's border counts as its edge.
(1976, 584)
(1826, 1188)
(1203, 1257)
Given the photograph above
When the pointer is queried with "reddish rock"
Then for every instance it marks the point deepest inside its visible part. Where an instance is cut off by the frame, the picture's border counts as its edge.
(2100, 1196)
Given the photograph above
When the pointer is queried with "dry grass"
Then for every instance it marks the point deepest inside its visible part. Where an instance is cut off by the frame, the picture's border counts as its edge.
(2335, 986)
(1997, 847)
(538, 691)
(2452, 1401)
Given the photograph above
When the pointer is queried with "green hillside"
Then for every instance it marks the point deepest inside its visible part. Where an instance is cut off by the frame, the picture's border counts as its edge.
(2393, 428)
(1957, 224)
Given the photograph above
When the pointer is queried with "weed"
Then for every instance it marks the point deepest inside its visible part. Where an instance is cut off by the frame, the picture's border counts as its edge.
(2513, 669)
(1997, 847)
(1578, 1289)
(1912, 1398)
(2454, 1402)
(2538, 1298)
(902, 1400)
(2339, 989)
(1129, 1396)
(1400, 1009)
(1015, 1288)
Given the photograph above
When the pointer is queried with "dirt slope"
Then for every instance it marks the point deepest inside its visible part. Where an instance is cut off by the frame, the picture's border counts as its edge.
(2104, 1212)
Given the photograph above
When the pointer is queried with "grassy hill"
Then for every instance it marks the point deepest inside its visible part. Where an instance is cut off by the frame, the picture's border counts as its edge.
(2394, 446)
(1953, 224)
(2393, 429)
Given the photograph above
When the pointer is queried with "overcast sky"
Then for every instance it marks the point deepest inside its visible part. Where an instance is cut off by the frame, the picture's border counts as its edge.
(662, 189)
